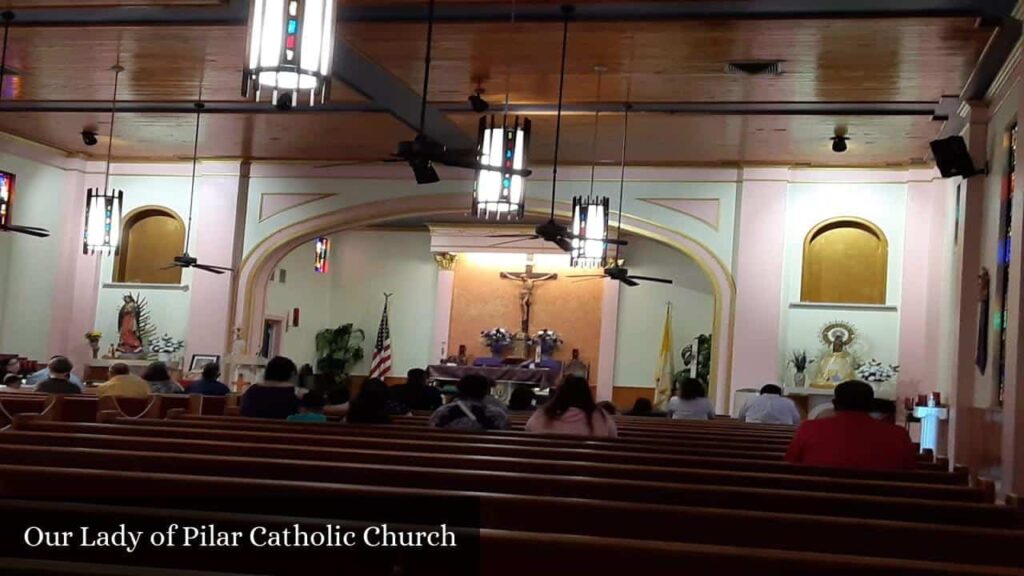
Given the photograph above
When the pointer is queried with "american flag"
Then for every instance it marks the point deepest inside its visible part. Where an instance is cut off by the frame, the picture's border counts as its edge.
(380, 364)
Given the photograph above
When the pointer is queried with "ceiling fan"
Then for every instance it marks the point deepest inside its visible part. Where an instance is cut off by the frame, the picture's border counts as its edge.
(552, 231)
(616, 271)
(186, 260)
(422, 152)
(7, 17)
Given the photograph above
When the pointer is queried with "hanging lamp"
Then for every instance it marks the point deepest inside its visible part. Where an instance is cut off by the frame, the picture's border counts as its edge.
(103, 206)
(290, 46)
(590, 212)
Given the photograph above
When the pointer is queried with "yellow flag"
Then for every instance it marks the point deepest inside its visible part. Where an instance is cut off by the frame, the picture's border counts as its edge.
(666, 364)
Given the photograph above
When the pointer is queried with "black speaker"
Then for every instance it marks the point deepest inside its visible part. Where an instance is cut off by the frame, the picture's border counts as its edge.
(952, 158)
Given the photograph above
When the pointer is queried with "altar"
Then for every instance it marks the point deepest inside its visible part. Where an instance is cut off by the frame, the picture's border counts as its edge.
(817, 402)
(505, 377)
(98, 370)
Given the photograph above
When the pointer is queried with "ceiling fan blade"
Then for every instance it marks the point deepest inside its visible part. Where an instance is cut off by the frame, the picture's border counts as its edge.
(651, 279)
(629, 281)
(523, 236)
(205, 268)
(29, 230)
(563, 243)
(357, 163)
(590, 279)
(586, 276)
(616, 242)
(513, 241)
(175, 265)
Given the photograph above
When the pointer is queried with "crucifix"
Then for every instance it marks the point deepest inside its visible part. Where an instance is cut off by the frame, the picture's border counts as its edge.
(528, 281)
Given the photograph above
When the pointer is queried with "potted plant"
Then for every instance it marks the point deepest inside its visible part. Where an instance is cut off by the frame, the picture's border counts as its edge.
(548, 340)
(337, 350)
(496, 339)
(799, 360)
(165, 347)
(93, 337)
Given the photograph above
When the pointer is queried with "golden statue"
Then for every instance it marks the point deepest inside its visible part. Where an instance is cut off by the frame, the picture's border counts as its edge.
(836, 365)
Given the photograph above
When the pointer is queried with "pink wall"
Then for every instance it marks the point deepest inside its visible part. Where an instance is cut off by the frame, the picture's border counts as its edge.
(213, 242)
(760, 242)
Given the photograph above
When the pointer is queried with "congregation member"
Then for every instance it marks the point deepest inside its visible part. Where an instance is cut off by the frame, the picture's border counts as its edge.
(371, 405)
(160, 381)
(691, 402)
(416, 394)
(274, 397)
(852, 438)
(12, 366)
(770, 407)
(643, 407)
(523, 398)
(469, 410)
(311, 408)
(210, 384)
(123, 383)
(59, 381)
(571, 410)
(36, 377)
(608, 407)
(12, 382)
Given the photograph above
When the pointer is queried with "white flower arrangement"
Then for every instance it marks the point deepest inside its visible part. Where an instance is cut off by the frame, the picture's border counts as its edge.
(166, 345)
(496, 336)
(546, 337)
(875, 372)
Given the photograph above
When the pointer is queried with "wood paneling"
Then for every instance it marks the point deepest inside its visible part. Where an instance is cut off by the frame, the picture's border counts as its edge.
(624, 397)
(824, 60)
(27, 4)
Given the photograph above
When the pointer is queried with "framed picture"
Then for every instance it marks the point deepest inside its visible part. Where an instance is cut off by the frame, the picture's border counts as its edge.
(201, 360)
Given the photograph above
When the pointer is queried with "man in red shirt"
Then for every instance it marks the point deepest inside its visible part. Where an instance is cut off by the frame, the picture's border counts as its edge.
(852, 439)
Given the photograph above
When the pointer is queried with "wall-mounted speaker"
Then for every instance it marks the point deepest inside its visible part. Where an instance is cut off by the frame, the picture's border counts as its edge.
(953, 159)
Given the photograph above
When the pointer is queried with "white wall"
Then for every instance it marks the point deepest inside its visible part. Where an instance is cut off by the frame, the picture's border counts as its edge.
(808, 204)
(365, 264)
(29, 266)
(642, 310)
(168, 307)
(310, 292)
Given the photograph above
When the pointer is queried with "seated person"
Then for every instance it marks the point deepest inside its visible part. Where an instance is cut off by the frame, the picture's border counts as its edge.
(274, 397)
(371, 405)
(691, 402)
(643, 407)
(608, 407)
(12, 382)
(415, 394)
(43, 374)
(770, 408)
(571, 410)
(123, 383)
(311, 408)
(160, 381)
(522, 398)
(469, 410)
(852, 438)
(209, 385)
(12, 366)
(59, 381)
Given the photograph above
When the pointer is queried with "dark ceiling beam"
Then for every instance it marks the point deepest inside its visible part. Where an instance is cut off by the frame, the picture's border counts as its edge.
(235, 11)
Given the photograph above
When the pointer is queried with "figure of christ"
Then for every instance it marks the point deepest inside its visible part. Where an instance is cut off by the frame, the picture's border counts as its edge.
(528, 281)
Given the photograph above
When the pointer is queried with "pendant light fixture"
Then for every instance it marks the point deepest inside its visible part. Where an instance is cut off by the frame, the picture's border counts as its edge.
(502, 147)
(290, 46)
(103, 205)
(590, 212)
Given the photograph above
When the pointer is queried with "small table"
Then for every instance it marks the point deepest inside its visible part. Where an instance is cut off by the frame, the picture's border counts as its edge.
(504, 376)
(930, 417)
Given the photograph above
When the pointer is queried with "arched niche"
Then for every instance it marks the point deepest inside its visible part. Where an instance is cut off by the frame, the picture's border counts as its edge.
(151, 236)
(845, 261)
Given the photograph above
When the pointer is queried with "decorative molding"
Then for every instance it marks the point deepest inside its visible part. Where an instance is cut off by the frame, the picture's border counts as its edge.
(445, 260)
(704, 209)
(133, 286)
(281, 202)
(843, 306)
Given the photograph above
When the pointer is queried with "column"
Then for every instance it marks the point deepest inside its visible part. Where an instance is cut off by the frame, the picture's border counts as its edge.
(440, 347)
(968, 263)
(760, 242)
(609, 341)
(1012, 441)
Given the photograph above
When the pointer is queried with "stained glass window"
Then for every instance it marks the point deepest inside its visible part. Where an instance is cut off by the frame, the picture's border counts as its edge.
(323, 254)
(1000, 319)
(6, 197)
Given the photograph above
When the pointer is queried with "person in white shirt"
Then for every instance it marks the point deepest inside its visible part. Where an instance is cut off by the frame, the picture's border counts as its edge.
(691, 403)
(770, 408)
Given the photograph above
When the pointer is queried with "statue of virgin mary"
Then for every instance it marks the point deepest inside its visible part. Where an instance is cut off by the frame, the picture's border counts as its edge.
(836, 365)
(129, 340)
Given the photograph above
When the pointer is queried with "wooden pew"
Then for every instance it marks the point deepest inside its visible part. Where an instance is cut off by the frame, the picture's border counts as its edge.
(431, 446)
(502, 552)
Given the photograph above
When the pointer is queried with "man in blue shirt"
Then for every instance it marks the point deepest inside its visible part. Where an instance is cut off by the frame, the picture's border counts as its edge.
(44, 374)
(209, 385)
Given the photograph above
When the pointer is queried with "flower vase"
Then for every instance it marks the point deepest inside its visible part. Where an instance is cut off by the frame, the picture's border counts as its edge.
(164, 357)
(799, 379)
(94, 345)
(497, 349)
(546, 351)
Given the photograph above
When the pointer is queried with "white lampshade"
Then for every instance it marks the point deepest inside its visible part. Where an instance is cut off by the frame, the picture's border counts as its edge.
(290, 47)
(590, 231)
(501, 148)
(102, 221)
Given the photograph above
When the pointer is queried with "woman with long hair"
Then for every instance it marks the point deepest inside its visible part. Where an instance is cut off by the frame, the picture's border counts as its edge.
(371, 405)
(571, 410)
(160, 381)
(691, 402)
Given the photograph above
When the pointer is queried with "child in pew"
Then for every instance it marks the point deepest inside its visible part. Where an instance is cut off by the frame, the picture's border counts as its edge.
(371, 405)
(572, 411)
(311, 408)
(470, 410)
(691, 403)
